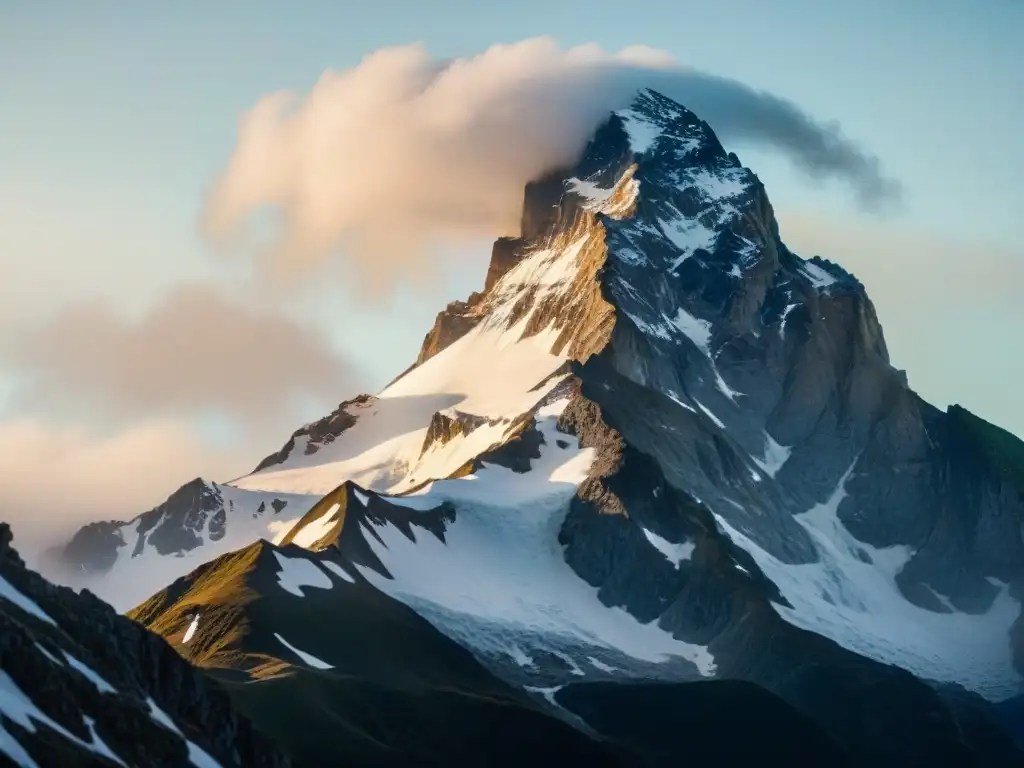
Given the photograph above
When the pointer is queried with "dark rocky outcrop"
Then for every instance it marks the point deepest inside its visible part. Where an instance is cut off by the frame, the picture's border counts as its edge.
(450, 325)
(194, 514)
(172, 527)
(320, 432)
(447, 426)
(99, 689)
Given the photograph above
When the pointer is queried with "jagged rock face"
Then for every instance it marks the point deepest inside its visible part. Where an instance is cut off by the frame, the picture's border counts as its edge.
(445, 427)
(83, 686)
(317, 434)
(784, 367)
(170, 528)
(451, 324)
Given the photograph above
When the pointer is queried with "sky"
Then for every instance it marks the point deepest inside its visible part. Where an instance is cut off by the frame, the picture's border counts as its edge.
(136, 352)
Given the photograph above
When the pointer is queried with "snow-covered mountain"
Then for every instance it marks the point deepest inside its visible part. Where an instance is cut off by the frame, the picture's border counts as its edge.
(126, 562)
(659, 445)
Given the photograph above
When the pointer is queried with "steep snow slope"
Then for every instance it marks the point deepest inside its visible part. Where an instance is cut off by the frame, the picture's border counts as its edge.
(492, 372)
(498, 581)
(850, 594)
(527, 328)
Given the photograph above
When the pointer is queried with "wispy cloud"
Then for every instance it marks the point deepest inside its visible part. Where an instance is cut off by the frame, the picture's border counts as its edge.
(406, 150)
(195, 353)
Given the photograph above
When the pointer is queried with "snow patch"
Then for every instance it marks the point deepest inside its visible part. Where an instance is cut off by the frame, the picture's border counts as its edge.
(819, 277)
(161, 717)
(547, 693)
(675, 398)
(657, 331)
(101, 685)
(519, 656)
(719, 186)
(49, 655)
(297, 573)
(709, 414)
(674, 553)
(19, 709)
(98, 745)
(687, 235)
(696, 330)
(641, 131)
(945, 601)
(723, 387)
(199, 757)
(12, 595)
(190, 632)
(775, 456)
(307, 658)
(574, 668)
(612, 201)
(315, 530)
(340, 572)
(600, 665)
(782, 321)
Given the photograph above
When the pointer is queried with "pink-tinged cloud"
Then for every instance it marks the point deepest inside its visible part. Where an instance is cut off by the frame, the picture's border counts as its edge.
(194, 354)
(404, 151)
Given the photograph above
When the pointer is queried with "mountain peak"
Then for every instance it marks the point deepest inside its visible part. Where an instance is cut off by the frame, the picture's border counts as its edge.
(652, 119)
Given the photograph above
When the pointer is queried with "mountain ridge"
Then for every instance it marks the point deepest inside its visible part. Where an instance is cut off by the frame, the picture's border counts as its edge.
(294, 639)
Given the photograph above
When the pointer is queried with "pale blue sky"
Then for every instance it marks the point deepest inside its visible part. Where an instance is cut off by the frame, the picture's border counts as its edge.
(115, 116)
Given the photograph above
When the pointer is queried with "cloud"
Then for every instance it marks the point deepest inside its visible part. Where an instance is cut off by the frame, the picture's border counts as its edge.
(195, 354)
(404, 151)
(55, 479)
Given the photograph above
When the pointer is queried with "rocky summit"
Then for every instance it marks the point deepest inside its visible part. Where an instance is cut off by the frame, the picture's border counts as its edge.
(656, 493)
